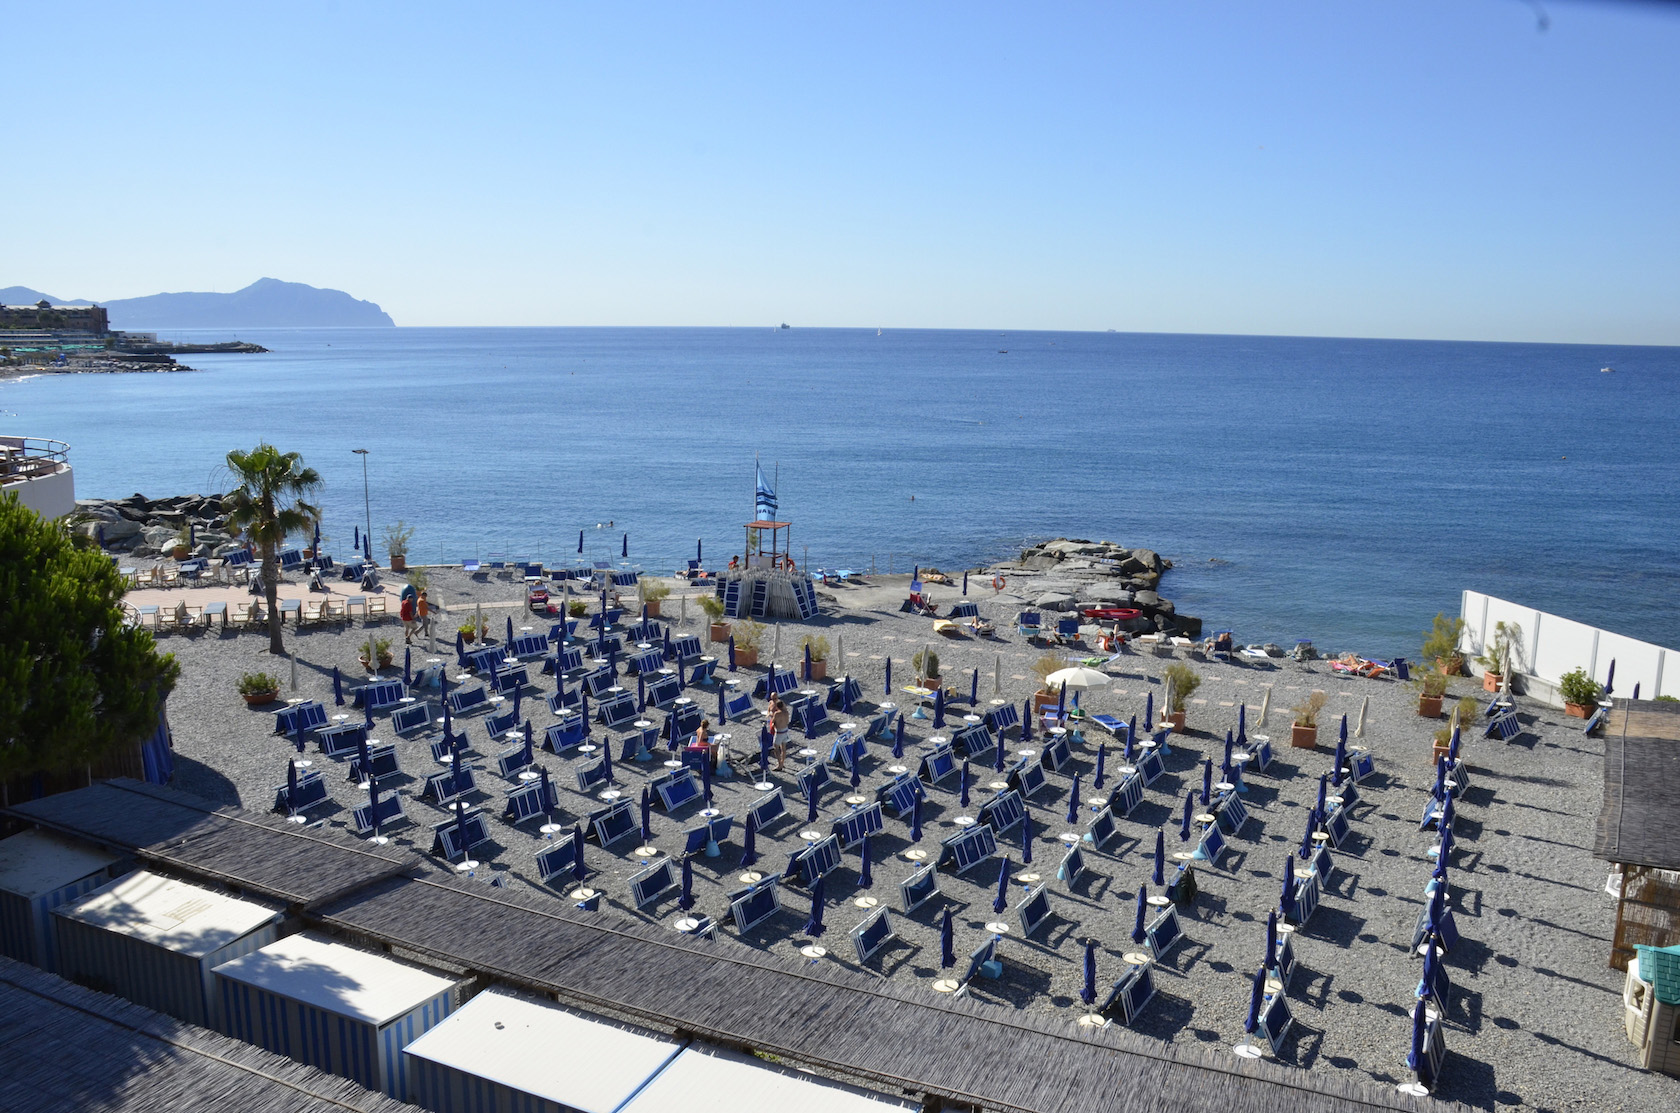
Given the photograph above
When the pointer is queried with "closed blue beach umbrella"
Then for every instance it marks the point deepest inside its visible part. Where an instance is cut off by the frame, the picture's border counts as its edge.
(1026, 835)
(974, 687)
(647, 814)
(699, 549)
(1337, 761)
(1242, 722)
(1230, 752)
(857, 773)
(888, 685)
(1256, 998)
(916, 818)
(1443, 851)
(408, 666)
(448, 729)
(1149, 710)
(814, 926)
(1452, 746)
(1061, 703)
(291, 783)
(706, 778)
(1440, 778)
(866, 874)
(1342, 746)
(1088, 993)
(338, 687)
(1286, 902)
(764, 740)
(367, 720)
(1414, 1057)
(580, 541)
(460, 649)
(583, 705)
(1184, 823)
(1160, 876)
(939, 707)
(1102, 761)
(1026, 721)
(807, 675)
(364, 763)
(898, 736)
(1271, 941)
(1001, 901)
(579, 870)
(810, 725)
(686, 901)
(546, 790)
(373, 804)
(846, 696)
(947, 950)
(1323, 793)
(1207, 781)
(1138, 934)
(1610, 679)
(641, 695)
(461, 827)
(517, 696)
(811, 810)
(1073, 801)
(355, 537)
(509, 639)
(962, 785)
(455, 766)
(624, 550)
(965, 583)
(722, 707)
(1307, 835)
(997, 754)
(1131, 737)
(367, 548)
(749, 841)
(606, 759)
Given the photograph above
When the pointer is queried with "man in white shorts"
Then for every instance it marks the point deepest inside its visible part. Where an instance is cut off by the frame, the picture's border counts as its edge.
(779, 718)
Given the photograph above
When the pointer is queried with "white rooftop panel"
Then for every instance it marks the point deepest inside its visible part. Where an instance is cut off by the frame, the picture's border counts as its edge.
(711, 1080)
(35, 862)
(171, 914)
(343, 980)
(539, 1048)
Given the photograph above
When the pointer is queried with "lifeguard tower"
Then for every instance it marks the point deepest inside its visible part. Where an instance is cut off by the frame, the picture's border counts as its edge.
(769, 585)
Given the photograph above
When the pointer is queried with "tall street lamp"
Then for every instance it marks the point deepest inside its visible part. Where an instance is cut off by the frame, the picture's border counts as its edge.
(367, 506)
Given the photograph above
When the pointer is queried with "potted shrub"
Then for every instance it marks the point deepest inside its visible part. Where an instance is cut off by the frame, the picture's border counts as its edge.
(1042, 668)
(818, 645)
(1465, 712)
(259, 688)
(1184, 680)
(749, 635)
(1580, 693)
(397, 538)
(719, 629)
(1440, 644)
(468, 632)
(577, 608)
(1304, 734)
(1496, 658)
(650, 592)
(182, 540)
(926, 664)
(381, 652)
(1432, 686)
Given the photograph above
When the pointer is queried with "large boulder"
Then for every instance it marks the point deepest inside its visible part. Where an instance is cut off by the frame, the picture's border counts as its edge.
(1040, 562)
(1054, 601)
(120, 530)
(1112, 595)
(158, 537)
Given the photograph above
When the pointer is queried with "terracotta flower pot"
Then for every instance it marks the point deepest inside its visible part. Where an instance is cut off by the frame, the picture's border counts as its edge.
(720, 632)
(1490, 681)
(1449, 666)
(745, 658)
(653, 608)
(1429, 707)
(257, 699)
(819, 670)
(399, 562)
(1043, 699)
(1303, 738)
(1177, 721)
(179, 552)
(1578, 710)
(1438, 751)
(468, 636)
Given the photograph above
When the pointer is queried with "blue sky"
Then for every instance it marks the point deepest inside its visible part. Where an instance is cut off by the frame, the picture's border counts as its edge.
(1418, 169)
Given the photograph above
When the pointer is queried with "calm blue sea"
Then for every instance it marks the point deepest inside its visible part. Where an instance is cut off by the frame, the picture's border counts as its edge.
(1343, 490)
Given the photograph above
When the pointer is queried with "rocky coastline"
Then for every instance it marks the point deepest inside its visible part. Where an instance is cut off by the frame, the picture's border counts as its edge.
(1071, 574)
(144, 527)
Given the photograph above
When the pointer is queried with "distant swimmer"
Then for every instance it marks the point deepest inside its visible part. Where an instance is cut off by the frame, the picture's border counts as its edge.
(912, 498)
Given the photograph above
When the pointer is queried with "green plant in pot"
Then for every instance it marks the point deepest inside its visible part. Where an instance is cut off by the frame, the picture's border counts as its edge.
(1580, 693)
(468, 632)
(1181, 680)
(381, 653)
(1497, 657)
(577, 608)
(259, 688)
(397, 538)
(749, 636)
(926, 664)
(1440, 644)
(1304, 734)
(651, 592)
(1431, 687)
(718, 629)
(818, 647)
(183, 541)
(1041, 670)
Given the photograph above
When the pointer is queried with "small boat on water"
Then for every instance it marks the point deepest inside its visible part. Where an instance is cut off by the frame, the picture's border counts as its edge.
(1606, 370)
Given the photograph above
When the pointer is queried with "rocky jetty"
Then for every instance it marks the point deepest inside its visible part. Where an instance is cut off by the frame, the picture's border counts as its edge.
(142, 527)
(1070, 574)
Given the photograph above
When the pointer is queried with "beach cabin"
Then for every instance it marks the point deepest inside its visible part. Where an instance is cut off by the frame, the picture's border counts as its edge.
(347, 1011)
(155, 941)
(711, 1080)
(39, 872)
(1638, 829)
(502, 1052)
(1651, 1002)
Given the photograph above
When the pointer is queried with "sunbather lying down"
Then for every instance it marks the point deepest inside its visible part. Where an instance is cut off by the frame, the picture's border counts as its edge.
(1359, 666)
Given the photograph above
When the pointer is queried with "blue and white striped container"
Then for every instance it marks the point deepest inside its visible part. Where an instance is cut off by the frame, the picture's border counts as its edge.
(155, 941)
(39, 872)
(506, 1053)
(347, 1011)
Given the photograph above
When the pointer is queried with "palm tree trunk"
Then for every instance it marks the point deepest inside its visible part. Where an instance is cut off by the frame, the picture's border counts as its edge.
(271, 587)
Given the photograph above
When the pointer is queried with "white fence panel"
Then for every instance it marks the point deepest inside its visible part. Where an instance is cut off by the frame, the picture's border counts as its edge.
(1551, 645)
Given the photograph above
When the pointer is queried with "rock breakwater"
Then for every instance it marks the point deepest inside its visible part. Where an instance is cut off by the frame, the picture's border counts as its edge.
(142, 527)
(1069, 574)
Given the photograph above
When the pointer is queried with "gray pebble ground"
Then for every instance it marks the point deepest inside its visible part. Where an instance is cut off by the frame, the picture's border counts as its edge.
(1535, 1018)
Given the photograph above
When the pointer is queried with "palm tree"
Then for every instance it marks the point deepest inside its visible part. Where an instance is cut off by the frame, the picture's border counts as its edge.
(268, 505)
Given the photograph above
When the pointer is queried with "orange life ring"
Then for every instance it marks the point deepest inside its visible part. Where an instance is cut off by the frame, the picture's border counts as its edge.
(997, 583)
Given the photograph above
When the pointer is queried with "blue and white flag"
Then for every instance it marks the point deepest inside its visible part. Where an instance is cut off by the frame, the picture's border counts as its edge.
(764, 497)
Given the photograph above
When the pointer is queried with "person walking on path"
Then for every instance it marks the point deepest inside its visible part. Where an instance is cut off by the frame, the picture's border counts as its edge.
(407, 613)
(779, 718)
(423, 610)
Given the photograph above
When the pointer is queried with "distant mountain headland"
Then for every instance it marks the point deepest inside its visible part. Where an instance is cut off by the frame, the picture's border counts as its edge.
(265, 303)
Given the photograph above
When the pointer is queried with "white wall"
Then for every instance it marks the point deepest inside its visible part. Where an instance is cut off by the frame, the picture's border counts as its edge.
(1551, 646)
(51, 496)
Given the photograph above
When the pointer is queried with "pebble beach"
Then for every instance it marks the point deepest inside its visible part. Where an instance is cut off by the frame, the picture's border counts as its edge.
(1534, 1019)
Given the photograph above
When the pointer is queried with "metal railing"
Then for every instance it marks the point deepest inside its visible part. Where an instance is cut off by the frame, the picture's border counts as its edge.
(26, 458)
